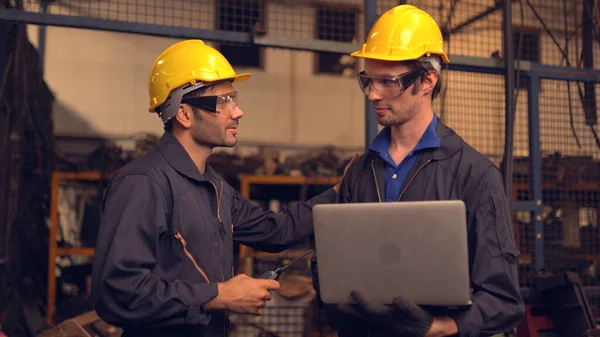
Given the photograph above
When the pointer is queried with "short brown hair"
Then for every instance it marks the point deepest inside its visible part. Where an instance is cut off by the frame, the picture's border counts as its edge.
(417, 64)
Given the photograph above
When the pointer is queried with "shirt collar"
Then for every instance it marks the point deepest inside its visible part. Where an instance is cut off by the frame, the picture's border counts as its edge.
(429, 140)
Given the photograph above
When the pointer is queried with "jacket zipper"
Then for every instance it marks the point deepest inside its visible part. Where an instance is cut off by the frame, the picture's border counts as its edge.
(413, 178)
(405, 187)
(219, 196)
(376, 183)
(189, 255)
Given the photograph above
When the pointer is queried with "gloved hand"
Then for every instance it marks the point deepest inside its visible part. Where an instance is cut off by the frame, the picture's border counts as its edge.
(403, 318)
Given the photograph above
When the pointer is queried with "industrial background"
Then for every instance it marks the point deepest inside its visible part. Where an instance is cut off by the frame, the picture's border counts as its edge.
(520, 88)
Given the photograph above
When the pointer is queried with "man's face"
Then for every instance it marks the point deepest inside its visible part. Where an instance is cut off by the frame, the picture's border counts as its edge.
(217, 129)
(393, 107)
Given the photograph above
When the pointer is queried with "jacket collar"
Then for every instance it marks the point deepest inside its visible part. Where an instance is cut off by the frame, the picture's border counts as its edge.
(179, 159)
(429, 140)
(450, 143)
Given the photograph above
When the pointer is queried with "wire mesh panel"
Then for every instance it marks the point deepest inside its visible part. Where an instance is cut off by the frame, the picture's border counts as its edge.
(552, 32)
(336, 20)
(274, 17)
(470, 27)
(331, 20)
(275, 321)
(177, 13)
(473, 105)
(571, 175)
(241, 16)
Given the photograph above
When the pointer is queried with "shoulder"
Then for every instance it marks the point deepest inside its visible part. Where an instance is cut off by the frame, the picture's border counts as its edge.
(148, 172)
(362, 162)
(356, 170)
(476, 171)
(149, 164)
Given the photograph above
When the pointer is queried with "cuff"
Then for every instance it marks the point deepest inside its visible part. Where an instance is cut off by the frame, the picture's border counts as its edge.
(195, 312)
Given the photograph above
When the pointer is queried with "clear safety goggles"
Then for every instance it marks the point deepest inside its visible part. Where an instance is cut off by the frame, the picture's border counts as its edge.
(388, 87)
(214, 103)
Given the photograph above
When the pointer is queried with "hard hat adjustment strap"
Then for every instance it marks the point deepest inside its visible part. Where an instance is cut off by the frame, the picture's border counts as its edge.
(434, 61)
(169, 108)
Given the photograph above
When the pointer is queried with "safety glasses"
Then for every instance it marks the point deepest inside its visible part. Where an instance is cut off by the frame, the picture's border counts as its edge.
(388, 87)
(213, 103)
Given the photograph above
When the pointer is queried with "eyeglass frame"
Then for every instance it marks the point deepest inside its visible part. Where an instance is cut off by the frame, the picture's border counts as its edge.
(405, 80)
(210, 103)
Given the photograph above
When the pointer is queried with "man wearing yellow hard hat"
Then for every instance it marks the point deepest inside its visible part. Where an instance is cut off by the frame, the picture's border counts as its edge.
(416, 157)
(164, 256)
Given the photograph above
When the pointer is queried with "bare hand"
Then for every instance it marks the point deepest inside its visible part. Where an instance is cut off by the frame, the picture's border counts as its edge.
(337, 186)
(243, 295)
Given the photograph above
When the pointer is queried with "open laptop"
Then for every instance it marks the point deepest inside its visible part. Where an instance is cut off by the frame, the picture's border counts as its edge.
(413, 249)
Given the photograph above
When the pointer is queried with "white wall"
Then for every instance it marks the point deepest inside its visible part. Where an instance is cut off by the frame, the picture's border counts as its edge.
(100, 81)
(474, 104)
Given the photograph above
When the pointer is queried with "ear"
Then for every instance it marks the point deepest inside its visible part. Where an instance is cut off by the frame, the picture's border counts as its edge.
(428, 82)
(185, 116)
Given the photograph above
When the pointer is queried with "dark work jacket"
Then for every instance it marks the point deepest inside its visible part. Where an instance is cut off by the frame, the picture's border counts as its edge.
(453, 171)
(166, 240)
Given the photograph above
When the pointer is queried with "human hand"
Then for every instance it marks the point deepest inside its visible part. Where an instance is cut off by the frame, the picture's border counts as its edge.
(243, 295)
(337, 186)
(403, 317)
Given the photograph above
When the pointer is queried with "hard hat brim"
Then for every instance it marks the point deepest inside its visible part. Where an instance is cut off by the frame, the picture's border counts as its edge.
(377, 56)
(241, 77)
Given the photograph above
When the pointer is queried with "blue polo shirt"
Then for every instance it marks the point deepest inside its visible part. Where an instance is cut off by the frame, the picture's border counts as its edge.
(395, 174)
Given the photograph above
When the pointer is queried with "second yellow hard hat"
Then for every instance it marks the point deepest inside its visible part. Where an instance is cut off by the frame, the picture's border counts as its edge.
(403, 33)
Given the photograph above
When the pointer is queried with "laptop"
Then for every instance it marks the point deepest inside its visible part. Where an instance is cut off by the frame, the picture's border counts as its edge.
(417, 250)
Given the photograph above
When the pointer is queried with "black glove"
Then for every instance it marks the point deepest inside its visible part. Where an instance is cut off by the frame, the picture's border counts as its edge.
(403, 318)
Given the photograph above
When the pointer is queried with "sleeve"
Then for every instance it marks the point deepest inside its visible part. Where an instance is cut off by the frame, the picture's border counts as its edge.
(497, 302)
(273, 232)
(349, 179)
(126, 289)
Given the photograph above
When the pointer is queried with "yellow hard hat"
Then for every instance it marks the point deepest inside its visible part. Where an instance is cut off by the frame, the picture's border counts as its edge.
(187, 65)
(403, 33)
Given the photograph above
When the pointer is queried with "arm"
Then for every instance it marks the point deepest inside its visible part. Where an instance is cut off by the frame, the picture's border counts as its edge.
(125, 290)
(497, 302)
(267, 231)
(343, 188)
(272, 232)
